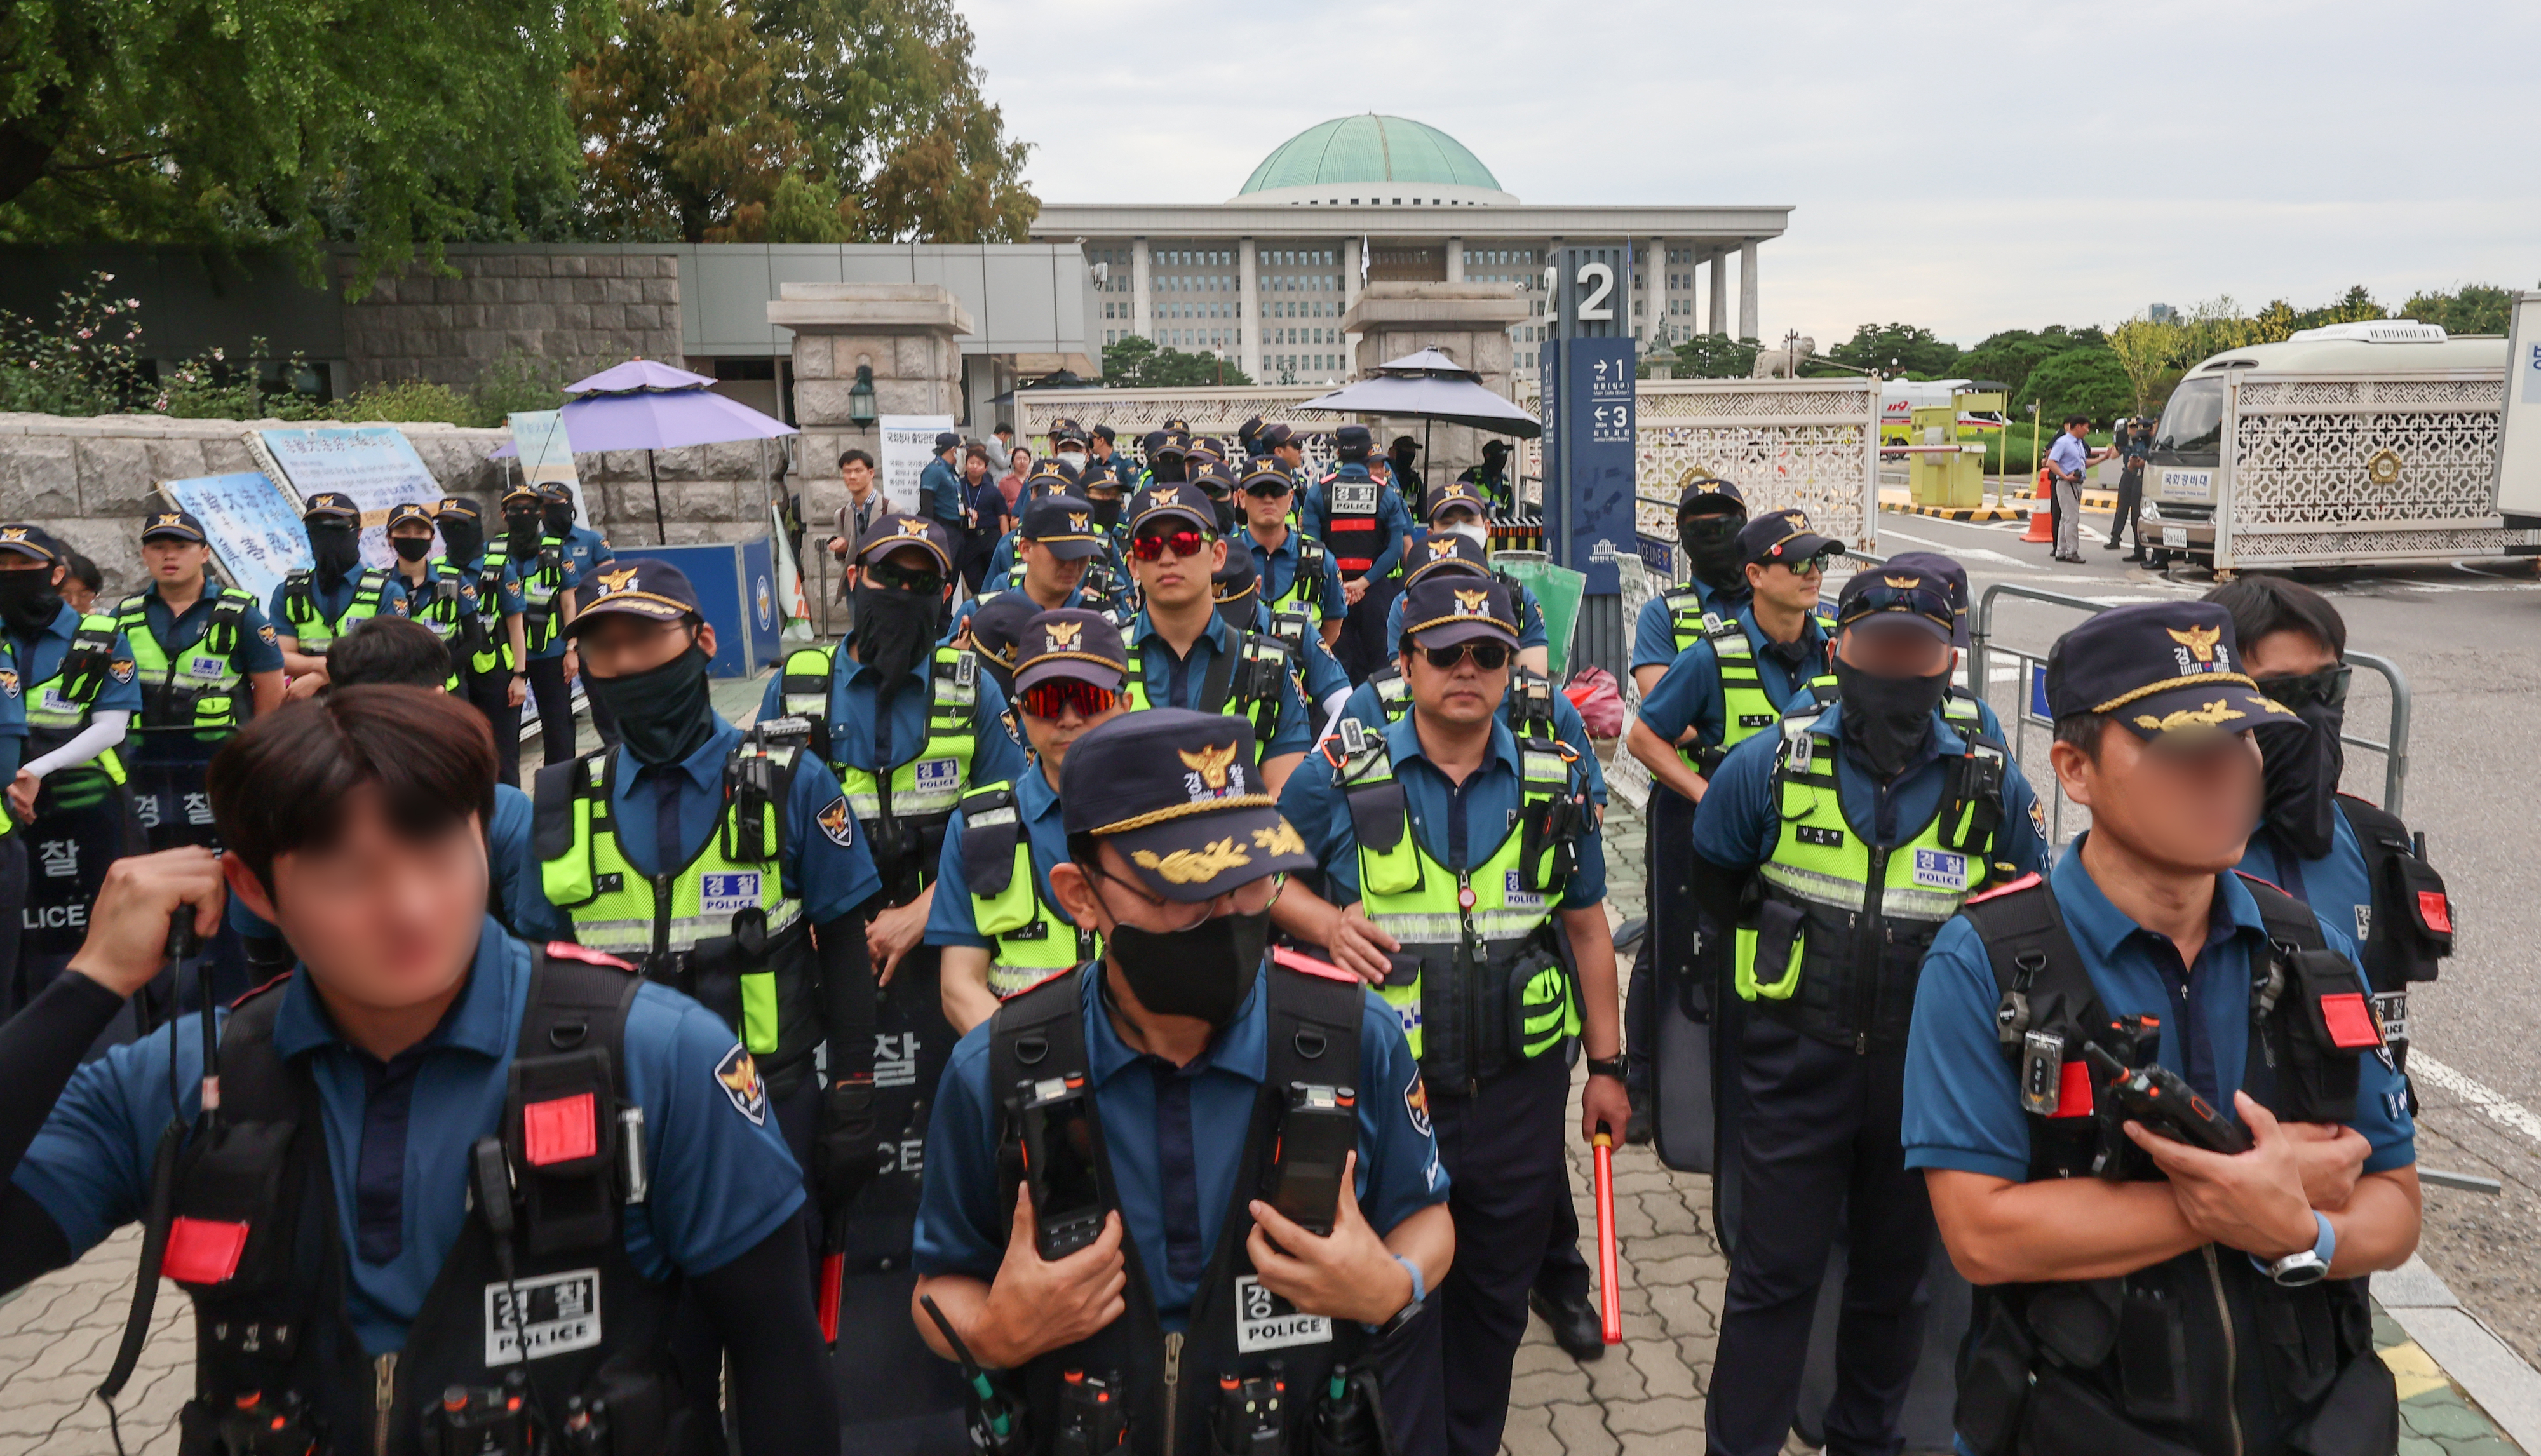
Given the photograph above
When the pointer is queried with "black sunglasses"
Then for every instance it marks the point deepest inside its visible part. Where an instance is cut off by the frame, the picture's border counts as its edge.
(892, 574)
(2328, 687)
(1491, 657)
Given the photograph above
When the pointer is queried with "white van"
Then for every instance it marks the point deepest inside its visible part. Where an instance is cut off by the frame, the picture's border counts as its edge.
(2356, 443)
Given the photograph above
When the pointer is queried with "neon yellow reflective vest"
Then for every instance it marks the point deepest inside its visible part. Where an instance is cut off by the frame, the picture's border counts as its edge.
(1527, 707)
(1838, 927)
(903, 811)
(495, 644)
(309, 627)
(725, 928)
(1029, 939)
(1251, 691)
(58, 707)
(542, 582)
(1306, 587)
(198, 686)
(1489, 987)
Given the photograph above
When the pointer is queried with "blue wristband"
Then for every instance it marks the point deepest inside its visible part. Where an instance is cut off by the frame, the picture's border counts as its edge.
(2325, 1245)
(1419, 1285)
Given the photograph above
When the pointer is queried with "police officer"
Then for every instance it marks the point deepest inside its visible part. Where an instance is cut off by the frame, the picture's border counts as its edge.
(1491, 480)
(1851, 834)
(1469, 865)
(1401, 458)
(1710, 514)
(1170, 1261)
(1167, 451)
(1001, 931)
(1100, 452)
(2185, 1300)
(491, 647)
(1364, 527)
(337, 593)
(1061, 552)
(1048, 477)
(438, 596)
(514, 1109)
(207, 659)
(1298, 584)
(2354, 862)
(940, 493)
(585, 551)
(995, 634)
(1183, 654)
(549, 590)
(1321, 682)
(1534, 706)
(81, 692)
(1457, 516)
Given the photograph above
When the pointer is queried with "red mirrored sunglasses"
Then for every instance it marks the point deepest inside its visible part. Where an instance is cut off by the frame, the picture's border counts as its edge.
(1053, 697)
(1180, 542)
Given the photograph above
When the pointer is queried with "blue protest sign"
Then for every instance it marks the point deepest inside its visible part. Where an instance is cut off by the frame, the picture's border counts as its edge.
(254, 526)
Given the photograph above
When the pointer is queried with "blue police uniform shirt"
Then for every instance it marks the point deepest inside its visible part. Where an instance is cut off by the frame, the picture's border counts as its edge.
(832, 875)
(39, 660)
(2338, 885)
(1737, 823)
(331, 601)
(1178, 683)
(860, 739)
(942, 487)
(1158, 1163)
(397, 1136)
(1568, 725)
(1276, 566)
(949, 921)
(1654, 630)
(12, 709)
(1393, 521)
(557, 641)
(1530, 621)
(583, 548)
(1459, 826)
(1962, 1107)
(1689, 696)
(508, 860)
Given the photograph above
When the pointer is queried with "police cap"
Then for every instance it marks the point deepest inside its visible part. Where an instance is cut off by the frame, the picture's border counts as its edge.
(1446, 552)
(1070, 642)
(399, 514)
(1063, 526)
(1443, 608)
(1171, 501)
(636, 586)
(1710, 495)
(332, 505)
(174, 526)
(1953, 576)
(1458, 495)
(20, 538)
(1781, 536)
(1878, 596)
(889, 533)
(2161, 668)
(1177, 795)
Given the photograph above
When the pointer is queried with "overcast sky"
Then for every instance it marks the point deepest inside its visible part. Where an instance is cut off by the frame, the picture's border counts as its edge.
(1964, 166)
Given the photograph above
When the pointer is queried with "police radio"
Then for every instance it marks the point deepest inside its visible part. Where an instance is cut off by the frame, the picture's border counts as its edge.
(1059, 1165)
(2156, 1097)
(1251, 1418)
(1093, 1414)
(1318, 1131)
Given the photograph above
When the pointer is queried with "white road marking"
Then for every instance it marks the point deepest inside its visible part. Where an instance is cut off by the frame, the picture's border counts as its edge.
(2495, 1106)
(1961, 553)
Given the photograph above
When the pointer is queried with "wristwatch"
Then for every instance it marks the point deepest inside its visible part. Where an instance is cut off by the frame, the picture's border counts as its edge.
(1607, 1067)
(2304, 1266)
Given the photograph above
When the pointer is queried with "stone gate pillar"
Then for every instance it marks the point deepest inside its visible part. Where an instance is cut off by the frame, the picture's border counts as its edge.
(905, 332)
(1468, 322)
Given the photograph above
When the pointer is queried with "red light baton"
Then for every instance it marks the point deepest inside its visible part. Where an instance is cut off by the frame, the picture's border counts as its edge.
(1611, 1311)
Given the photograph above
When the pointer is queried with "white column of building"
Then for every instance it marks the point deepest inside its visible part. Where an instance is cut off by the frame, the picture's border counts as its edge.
(1747, 321)
(1455, 259)
(1248, 355)
(1658, 278)
(1139, 311)
(1349, 298)
(1715, 266)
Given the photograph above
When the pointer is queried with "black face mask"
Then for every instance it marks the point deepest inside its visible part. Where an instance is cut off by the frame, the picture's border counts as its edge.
(559, 520)
(466, 539)
(335, 551)
(1888, 720)
(521, 534)
(664, 714)
(1168, 472)
(1204, 972)
(411, 548)
(1107, 513)
(896, 630)
(29, 602)
(2303, 762)
(1714, 558)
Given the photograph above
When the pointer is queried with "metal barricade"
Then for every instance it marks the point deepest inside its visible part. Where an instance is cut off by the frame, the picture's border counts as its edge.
(2029, 670)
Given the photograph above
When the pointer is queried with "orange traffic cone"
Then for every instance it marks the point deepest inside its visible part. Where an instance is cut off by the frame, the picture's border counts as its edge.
(2042, 523)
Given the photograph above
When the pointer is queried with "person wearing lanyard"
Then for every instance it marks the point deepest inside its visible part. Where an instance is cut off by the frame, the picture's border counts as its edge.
(999, 928)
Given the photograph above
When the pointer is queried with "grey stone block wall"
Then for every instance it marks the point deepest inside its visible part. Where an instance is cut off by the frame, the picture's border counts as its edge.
(90, 481)
(583, 311)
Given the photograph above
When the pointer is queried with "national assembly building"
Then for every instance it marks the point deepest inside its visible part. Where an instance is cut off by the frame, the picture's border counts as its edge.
(1266, 278)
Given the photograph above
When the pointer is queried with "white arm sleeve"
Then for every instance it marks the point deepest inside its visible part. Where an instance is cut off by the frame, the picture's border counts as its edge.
(103, 731)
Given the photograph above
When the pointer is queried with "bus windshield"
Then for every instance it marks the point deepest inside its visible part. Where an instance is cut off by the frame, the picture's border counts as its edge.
(2193, 420)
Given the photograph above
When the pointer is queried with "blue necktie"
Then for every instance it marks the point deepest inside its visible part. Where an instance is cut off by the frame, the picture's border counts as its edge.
(669, 844)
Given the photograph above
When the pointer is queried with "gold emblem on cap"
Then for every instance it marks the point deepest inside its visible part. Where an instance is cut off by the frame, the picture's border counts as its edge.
(1903, 582)
(1080, 523)
(1279, 840)
(1063, 635)
(1210, 764)
(448, 505)
(1193, 866)
(908, 527)
(615, 581)
(2213, 715)
(1167, 496)
(14, 533)
(1443, 548)
(2197, 640)
(1799, 520)
(166, 518)
(1473, 604)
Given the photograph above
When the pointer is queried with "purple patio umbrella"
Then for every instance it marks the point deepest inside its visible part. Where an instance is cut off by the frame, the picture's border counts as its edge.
(649, 406)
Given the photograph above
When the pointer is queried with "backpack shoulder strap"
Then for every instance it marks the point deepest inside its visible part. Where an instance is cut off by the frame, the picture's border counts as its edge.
(1315, 1013)
(256, 1083)
(2290, 922)
(1035, 1036)
(553, 792)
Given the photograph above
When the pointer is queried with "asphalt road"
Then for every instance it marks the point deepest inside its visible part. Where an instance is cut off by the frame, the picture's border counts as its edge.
(2468, 639)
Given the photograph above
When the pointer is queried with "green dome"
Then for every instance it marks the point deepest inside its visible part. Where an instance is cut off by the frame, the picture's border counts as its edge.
(1370, 148)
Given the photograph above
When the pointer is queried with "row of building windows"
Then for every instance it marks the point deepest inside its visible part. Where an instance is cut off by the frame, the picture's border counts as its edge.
(1302, 308)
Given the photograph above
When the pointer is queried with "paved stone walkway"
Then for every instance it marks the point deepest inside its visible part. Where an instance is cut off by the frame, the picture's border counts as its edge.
(1644, 1398)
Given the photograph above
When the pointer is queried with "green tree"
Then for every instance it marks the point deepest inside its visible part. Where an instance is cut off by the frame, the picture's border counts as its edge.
(2077, 381)
(285, 121)
(1715, 356)
(679, 137)
(2474, 308)
(2011, 355)
(1892, 348)
(2149, 350)
(1135, 363)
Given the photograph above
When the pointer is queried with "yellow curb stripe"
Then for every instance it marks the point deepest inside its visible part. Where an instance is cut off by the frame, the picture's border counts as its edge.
(2414, 1370)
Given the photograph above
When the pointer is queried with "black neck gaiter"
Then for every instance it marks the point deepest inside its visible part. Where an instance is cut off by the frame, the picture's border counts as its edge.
(1887, 720)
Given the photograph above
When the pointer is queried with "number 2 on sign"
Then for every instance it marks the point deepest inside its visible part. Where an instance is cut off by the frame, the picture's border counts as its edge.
(1600, 277)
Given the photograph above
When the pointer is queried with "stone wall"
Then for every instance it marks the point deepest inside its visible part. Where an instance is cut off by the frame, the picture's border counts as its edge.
(581, 311)
(90, 481)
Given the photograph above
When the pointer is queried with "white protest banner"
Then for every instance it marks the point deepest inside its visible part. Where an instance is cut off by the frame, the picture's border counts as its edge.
(908, 447)
(254, 526)
(372, 464)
